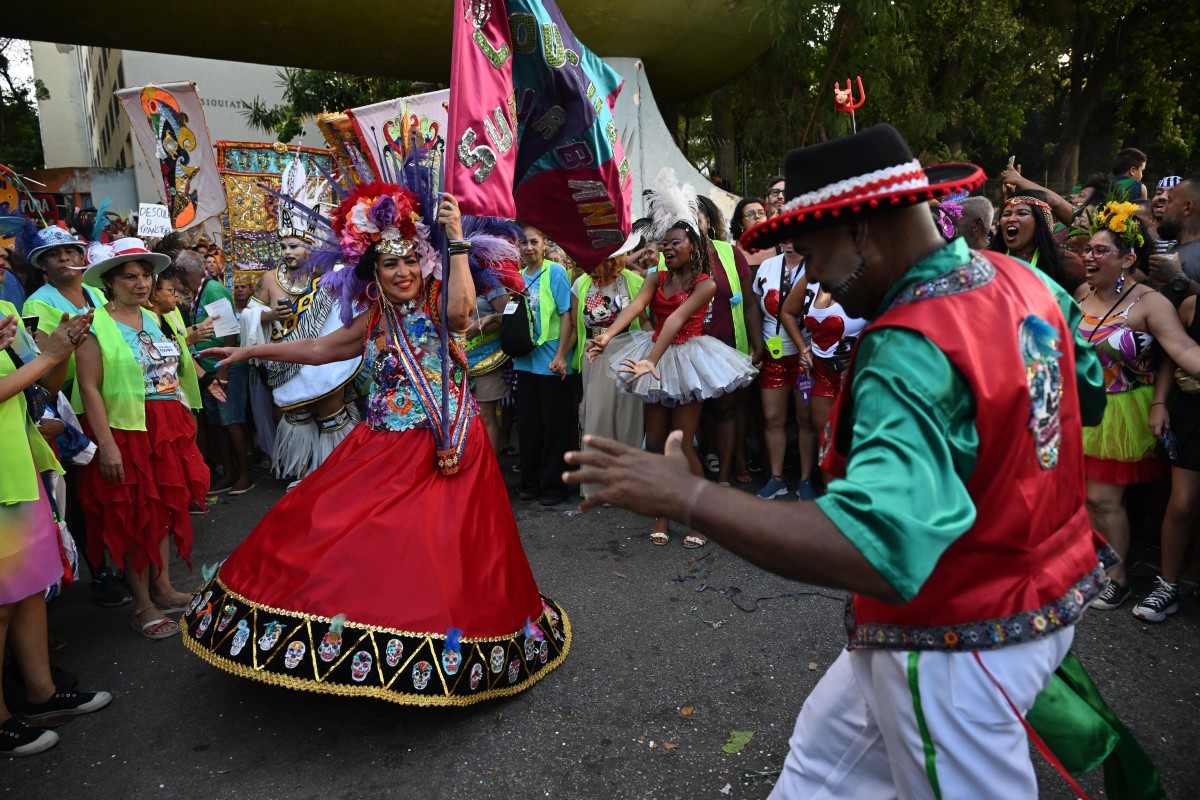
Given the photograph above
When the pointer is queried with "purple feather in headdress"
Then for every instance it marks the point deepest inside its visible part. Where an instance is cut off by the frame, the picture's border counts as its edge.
(333, 183)
(365, 173)
(347, 289)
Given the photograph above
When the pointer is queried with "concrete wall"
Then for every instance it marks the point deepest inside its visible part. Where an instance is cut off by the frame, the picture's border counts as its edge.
(65, 136)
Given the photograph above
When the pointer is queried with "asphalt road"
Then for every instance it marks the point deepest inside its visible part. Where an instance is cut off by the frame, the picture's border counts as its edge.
(673, 651)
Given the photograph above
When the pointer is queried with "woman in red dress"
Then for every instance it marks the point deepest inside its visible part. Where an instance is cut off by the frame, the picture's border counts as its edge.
(387, 572)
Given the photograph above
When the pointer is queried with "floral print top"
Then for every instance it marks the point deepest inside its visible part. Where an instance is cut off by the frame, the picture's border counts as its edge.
(394, 404)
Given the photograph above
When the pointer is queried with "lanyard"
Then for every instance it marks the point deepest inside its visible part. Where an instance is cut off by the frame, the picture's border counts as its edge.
(784, 290)
(199, 293)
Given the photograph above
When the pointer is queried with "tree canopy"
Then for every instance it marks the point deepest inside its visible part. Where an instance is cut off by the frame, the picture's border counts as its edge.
(20, 137)
(1062, 86)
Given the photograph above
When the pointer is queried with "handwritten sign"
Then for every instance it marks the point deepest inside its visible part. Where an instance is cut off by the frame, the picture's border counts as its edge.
(154, 221)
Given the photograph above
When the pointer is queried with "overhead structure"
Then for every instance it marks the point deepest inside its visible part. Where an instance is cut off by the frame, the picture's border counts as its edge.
(688, 47)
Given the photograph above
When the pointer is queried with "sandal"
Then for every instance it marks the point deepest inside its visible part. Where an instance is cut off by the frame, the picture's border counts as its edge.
(167, 606)
(692, 542)
(744, 476)
(712, 463)
(659, 537)
(163, 628)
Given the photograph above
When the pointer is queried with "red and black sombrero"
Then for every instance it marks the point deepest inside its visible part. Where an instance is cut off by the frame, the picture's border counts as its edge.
(848, 178)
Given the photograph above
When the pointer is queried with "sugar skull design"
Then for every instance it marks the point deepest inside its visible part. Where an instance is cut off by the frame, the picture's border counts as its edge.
(421, 673)
(241, 635)
(450, 661)
(226, 616)
(394, 652)
(1044, 375)
(295, 652)
(330, 646)
(360, 665)
(530, 648)
(554, 627)
(476, 675)
(497, 659)
(271, 635)
(544, 652)
(205, 621)
(198, 601)
(514, 669)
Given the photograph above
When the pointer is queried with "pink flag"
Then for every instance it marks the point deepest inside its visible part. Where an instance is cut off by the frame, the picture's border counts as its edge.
(531, 131)
(481, 135)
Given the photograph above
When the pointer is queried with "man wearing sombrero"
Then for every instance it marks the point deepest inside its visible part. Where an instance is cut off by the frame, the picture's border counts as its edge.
(955, 509)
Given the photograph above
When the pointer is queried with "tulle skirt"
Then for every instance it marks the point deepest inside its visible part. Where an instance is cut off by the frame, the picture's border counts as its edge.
(697, 370)
(164, 475)
(1120, 449)
(378, 576)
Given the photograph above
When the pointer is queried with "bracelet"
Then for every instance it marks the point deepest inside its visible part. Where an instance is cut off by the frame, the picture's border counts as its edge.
(686, 517)
(458, 247)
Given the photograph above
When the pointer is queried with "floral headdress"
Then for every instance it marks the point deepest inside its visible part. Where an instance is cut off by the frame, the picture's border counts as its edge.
(1116, 216)
(387, 217)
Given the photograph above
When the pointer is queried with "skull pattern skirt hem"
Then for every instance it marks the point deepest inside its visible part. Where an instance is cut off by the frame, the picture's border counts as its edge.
(305, 653)
(381, 577)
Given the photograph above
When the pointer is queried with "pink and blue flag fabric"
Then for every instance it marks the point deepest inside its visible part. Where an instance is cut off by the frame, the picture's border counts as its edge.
(531, 127)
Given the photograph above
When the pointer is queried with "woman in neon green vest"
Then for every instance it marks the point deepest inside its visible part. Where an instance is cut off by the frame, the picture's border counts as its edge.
(29, 554)
(147, 471)
(596, 300)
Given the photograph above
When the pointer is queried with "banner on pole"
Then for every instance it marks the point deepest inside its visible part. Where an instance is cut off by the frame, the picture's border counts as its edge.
(531, 132)
(168, 122)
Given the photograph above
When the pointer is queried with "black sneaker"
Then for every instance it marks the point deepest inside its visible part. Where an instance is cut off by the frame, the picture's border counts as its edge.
(18, 739)
(553, 498)
(528, 494)
(1113, 596)
(62, 706)
(109, 591)
(1160, 603)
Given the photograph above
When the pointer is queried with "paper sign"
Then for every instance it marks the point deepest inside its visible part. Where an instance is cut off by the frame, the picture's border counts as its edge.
(227, 325)
(154, 221)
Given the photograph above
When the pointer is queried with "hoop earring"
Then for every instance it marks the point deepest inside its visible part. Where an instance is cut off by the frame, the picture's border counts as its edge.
(1121, 283)
(378, 292)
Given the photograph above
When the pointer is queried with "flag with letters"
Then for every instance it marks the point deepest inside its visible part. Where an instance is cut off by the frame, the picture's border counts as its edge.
(531, 132)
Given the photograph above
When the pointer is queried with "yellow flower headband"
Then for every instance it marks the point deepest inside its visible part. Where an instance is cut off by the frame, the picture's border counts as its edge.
(1118, 217)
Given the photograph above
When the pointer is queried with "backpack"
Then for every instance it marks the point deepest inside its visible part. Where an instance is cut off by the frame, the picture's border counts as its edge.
(516, 326)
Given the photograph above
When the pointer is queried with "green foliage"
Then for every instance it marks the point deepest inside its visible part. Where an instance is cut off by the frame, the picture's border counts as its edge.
(309, 92)
(20, 136)
(1062, 86)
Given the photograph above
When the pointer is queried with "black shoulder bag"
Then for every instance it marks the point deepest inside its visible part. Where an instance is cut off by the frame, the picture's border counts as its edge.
(516, 326)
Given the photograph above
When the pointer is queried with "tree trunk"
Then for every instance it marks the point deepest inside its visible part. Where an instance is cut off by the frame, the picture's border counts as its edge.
(725, 152)
(1090, 72)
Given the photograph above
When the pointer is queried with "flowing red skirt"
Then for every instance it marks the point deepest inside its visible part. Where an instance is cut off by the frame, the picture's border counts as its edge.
(164, 474)
(379, 537)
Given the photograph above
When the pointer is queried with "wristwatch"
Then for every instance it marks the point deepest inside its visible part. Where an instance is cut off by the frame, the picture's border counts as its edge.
(1180, 283)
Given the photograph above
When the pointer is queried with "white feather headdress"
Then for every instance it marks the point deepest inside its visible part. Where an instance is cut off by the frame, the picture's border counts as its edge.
(668, 203)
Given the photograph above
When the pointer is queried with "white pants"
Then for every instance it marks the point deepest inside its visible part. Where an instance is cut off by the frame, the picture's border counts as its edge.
(858, 734)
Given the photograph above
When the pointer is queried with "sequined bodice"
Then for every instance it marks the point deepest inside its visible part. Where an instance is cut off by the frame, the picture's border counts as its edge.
(394, 403)
(664, 306)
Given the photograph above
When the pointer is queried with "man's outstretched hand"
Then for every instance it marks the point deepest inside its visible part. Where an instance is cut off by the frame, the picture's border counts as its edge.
(649, 484)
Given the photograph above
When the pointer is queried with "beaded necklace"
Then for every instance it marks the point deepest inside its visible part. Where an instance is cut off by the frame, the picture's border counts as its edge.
(452, 443)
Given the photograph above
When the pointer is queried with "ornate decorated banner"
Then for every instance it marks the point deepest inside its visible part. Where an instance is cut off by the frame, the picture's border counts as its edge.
(531, 129)
(168, 122)
(375, 131)
(250, 225)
